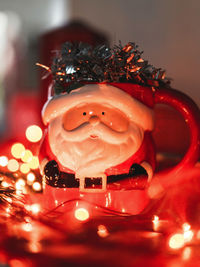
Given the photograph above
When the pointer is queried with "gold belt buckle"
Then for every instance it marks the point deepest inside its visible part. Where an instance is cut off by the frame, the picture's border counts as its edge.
(82, 187)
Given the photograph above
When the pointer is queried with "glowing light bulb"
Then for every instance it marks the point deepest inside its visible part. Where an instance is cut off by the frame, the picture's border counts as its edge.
(24, 168)
(81, 214)
(27, 227)
(3, 161)
(19, 185)
(176, 241)
(21, 182)
(36, 186)
(30, 177)
(186, 253)
(155, 222)
(17, 150)
(27, 156)
(34, 163)
(188, 235)
(186, 227)
(13, 165)
(155, 218)
(33, 133)
(5, 184)
(102, 231)
(34, 208)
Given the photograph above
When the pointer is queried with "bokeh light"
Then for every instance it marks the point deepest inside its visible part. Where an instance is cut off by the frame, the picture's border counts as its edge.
(186, 227)
(33, 133)
(34, 163)
(13, 165)
(186, 253)
(102, 231)
(3, 161)
(20, 184)
(30, 177)
(5, 184)
(24, 168)
(17, 150)
(176, 241)
(37, 186)
(27, 227)
(35, 208)
(81, 214)
(27, 156)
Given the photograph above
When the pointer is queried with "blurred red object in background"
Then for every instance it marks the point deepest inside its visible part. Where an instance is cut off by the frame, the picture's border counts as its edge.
(22, 111)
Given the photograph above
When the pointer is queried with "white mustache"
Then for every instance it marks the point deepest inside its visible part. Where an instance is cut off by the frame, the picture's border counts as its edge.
(101, 130)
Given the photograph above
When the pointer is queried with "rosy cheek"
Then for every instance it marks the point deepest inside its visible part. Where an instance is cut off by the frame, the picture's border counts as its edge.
(73, 119)
(115, 121)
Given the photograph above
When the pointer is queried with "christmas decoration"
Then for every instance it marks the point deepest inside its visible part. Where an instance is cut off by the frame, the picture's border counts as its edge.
(98, 145)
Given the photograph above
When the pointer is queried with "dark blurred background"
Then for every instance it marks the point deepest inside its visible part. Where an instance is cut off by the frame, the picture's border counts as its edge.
(168, 32)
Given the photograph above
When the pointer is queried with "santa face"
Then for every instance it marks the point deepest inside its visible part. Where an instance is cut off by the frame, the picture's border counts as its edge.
(91, 138)
(95, 127)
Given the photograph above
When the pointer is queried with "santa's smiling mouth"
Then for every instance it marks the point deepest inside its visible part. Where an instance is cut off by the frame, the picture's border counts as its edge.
(93, 136)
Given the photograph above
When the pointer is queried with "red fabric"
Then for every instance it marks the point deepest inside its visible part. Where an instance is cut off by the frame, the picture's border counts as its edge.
(145, 153)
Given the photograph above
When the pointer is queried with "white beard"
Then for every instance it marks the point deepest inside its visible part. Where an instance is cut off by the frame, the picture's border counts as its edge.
(86, 156)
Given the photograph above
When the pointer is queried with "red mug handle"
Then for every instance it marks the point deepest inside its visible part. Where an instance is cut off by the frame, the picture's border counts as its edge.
(191, 114)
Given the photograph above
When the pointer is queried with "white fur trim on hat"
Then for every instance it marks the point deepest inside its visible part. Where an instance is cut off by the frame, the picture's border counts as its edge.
(103, 94)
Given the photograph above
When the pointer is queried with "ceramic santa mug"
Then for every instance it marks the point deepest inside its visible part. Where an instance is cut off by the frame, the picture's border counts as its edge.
(98, 145)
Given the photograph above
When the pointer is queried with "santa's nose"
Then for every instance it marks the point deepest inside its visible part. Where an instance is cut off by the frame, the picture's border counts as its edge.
(94, 120)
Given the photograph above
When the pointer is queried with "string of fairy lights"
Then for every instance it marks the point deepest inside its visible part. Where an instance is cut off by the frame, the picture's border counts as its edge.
(21, 170)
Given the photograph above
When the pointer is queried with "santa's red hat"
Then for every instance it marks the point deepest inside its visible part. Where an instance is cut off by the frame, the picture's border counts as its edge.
(118, 77)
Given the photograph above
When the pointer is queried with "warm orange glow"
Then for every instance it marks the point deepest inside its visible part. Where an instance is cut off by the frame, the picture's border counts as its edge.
(17, 150)
(16, 263)
(33, 133)
(37, 186)
(186, 227)
(8, 199)
(188, 235)
(24, 168)
(19, 185)
(34, 246)
(3, 161)
(27, 156)
(30, 177)
(186, 253)
(5, 184)
(155, 218)
(176, 241)
(60, 73)
(34, 208)
(102, 231)
(155, 222)
(81, 214)
(198, 234)
(13, 165)
(34, 163)
(27, 227)
(43, 66)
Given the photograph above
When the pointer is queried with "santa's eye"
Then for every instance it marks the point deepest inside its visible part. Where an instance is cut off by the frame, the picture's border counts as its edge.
(103, 113)
(84, 113)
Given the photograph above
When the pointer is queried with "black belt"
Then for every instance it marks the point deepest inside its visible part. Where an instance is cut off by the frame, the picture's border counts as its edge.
(56, 178)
